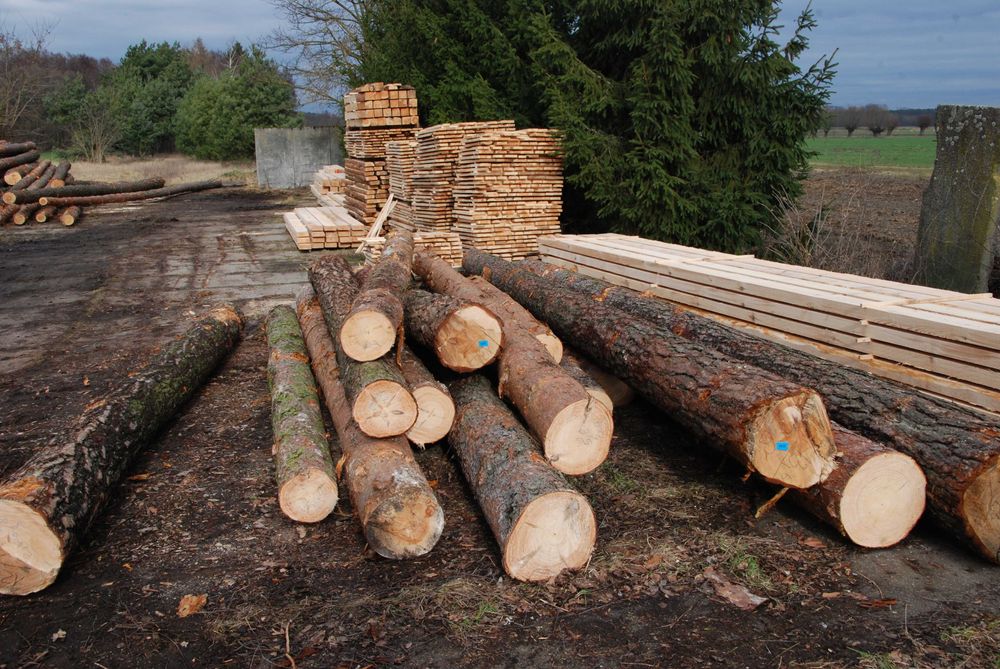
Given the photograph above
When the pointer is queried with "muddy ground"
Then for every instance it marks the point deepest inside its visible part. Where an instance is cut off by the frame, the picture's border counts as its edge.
(79, 307)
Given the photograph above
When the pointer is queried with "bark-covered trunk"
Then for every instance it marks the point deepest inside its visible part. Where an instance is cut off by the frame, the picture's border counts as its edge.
(372, 327)
(18, 159)
(59, 177)
(543, 526)
(776, 428)
(513, 314)
(16, 148)
(571, 365)
(70, 215)
(45, 213)
(397, 509)
(47, 505)
(31, 177)
(619, 392)
(114, 198)
(958, 448)
(14, 175)
(435, 408)
(7, 212)
(465, 336)
(376, 390)
(84, 190)
(307, 483)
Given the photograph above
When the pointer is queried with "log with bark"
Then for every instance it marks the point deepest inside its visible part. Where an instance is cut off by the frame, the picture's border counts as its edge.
(399, 512)
(114, 198)
(9, 149)
(574, 368)
(381, 403)
(95, 189)
(47, 505)
(463, 335)
(376, 318)
(7, 212)
(59, 178)
(18, 159)
(31, 176)
(543, 526)
(14, 175)
(27, 211)
(442, 278)
(958, 448)
(307, 485)
(70, 215)
(874, 496)
(24, 213)
(435, 408)
(45, 213)
(619, 392)
(777, 428)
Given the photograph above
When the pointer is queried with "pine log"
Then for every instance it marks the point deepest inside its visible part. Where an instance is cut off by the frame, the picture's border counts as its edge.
(442, 278)
(958, 448)
(399, 512)
(47, 505)
(18, 159)
(45, 213)
(307, 486)
(373, 325)
(84, 190)
(32, 175)
(542, 525)
(571, 364)
(874, 496)
(464, 336)
(58, 179)
(7, 212)
(619, 392)
(24, 213)
(435, 408)
(70, 215)
(114, 198)
(774, 427)
(380, 401)
(9, 149)
(14, 175)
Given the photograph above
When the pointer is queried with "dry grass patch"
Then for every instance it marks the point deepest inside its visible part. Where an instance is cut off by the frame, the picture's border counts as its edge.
(174, 169)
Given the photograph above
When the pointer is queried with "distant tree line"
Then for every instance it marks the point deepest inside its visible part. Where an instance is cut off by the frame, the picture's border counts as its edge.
(159, 97)
(877, 119)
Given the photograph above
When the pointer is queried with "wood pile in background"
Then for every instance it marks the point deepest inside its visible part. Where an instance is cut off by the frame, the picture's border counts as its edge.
(329, 180)
(314, 228)
(380, 105)
(445, 245)
(508, 191)
(400, 158)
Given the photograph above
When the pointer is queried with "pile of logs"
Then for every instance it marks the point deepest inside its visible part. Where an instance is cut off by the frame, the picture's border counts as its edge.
(39, 190)
(445, 245)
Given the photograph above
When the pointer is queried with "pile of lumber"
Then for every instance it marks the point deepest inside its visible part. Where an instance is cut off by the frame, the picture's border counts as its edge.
(400, 161)
(942, 342)
(328, 227)
(438, 148)
(375, 115)
(329, 180)
(445, 245)
(508, 191)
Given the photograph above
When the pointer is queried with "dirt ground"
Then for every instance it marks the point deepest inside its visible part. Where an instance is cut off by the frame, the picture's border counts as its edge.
(198, 514)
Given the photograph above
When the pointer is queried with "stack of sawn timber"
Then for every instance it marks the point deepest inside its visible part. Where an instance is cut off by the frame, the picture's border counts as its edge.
(939, 341)
(400, 161)
(329, 184)
(875, 493)
(374, 114)
(445, 245)
(325, 227)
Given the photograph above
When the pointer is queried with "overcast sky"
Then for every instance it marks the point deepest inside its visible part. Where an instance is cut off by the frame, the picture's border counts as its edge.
(917, 53)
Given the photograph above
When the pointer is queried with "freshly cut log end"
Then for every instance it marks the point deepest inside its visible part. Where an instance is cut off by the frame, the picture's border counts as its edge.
(981, 508)
(513, 314)
(408, 524)
(469, 339)
(579, 437)
(367, 335)
(790, 441)
(309, 496)
(435, 414)
(69, 216)
(883, 500)
(30, 552)
(384, 409)
(554, 533)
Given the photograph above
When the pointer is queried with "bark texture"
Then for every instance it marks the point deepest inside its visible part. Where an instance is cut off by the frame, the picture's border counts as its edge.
(465, 336)
(307, 488)
(571, 365)
(16, 148)
(44, 214)
(70, 215)
(90, 200)
(503, 466)
(32, 176)
(47, 505)
(19, 159)
(59, 177)
(84, 190)
(958, 448)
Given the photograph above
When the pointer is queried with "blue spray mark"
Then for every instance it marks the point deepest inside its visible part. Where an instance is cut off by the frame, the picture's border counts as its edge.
(483, 343)
(781, 445)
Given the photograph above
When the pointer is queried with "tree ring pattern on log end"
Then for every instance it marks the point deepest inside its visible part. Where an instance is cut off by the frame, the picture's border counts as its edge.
(407, 524)
(981, 507)
(367, 335)
(883, 500)
(469, 339)
(435, 415)
(385, 409)
(30, 553)
(790, 441)
(308, 497)
(579, 437)
(554, 533)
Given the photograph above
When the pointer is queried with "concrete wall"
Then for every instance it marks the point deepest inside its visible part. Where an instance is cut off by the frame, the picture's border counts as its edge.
(289, 157)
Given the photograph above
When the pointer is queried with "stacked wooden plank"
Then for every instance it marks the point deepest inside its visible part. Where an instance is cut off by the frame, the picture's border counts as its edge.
(400, 158)
(508, 191)
(314, 228)
(944, 343)
(331, 180)
(376, 115)
(445, 245)
(437, 154)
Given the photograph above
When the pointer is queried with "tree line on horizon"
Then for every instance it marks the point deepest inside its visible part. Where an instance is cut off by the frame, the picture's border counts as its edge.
(877, 119)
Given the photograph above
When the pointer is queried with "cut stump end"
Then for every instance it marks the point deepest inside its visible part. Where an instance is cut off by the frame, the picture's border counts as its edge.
(309, 496)
(883, 500)
(554, 533)
(981, 504)
(406, 525)
(579, 437)
(435, 415)
(791, 442)
(385, 409)
(469, 339)
(367, 335)
(30, 552)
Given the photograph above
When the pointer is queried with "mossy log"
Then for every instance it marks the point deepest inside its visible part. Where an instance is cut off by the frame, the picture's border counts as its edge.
(543, 526)
(48, 504)
(776, 428)
(435, 408)
(398, 511)
(465, 336)
(307, 485)
(958, 448)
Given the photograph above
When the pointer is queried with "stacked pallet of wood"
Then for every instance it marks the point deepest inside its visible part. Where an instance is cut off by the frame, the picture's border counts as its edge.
(400, 159)
(375, 115)
(434, 172)
(508, 191)
(445, 245)
(330, 180)
(328, 227)
(941, 342)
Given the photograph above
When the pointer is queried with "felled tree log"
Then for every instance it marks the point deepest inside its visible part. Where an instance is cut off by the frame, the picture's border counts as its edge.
(7, 212)
(307, 486)
(70, 215)
(18, 159)
(24, 213)
(14, 175)
(776, 428)
(87, 201)
(442, 278)
(12, 197)
(543, 526)
(31, 176)
(16, 148)
(58, 179)
(464, 336)
(45, 213)
(571, 364)
(874, 496)
(958, 448)
(398, 510)
(376, 390)
(619, 392)
(47, 505)
(435, 408)
(373, 325)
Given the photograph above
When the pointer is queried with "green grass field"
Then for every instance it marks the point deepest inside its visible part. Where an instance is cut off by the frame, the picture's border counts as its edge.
(899, 152)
